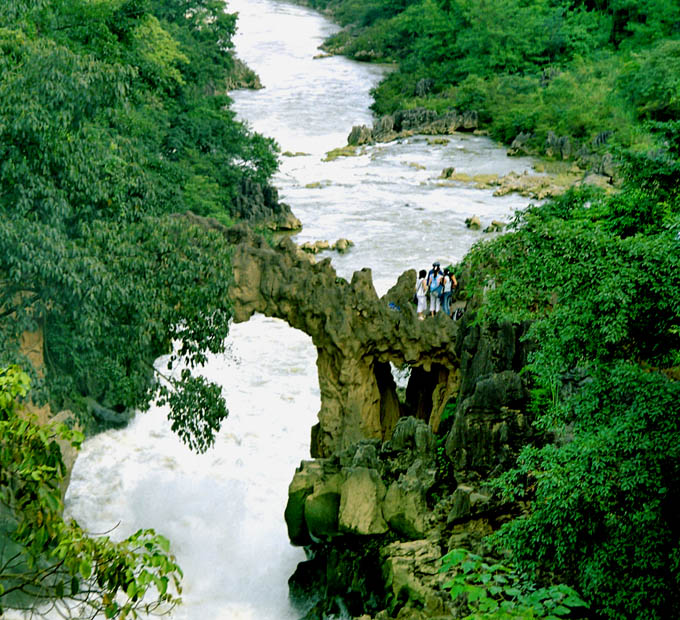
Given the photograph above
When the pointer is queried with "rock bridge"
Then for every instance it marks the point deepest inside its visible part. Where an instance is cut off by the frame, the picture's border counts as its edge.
(357, 335)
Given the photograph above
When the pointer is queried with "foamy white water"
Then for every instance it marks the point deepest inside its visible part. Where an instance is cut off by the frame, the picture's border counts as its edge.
(223, 511)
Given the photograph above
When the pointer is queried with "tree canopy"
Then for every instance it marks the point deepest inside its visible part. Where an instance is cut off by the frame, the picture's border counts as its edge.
(598, 277)
(115, 133)
(113, 120)
(577, 68)
(48, 563)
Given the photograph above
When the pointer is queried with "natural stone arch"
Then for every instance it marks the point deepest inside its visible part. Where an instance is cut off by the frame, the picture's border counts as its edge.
(356, 334)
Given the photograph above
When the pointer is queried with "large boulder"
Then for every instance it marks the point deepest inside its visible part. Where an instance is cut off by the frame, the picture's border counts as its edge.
(361, 497)
(405, 509)
(349, 509)
(321, 510)
(301, 487)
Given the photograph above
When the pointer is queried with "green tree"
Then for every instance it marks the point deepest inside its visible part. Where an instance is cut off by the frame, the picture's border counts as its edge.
(127, 132)
(112, 127)
(602, 513)
(599, 278)
(652, 83)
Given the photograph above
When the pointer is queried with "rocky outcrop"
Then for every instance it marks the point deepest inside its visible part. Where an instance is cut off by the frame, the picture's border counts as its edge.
(394, 483)
(376, 520)
(490, 423)
(242, 76)
(594, 162)
(357, 335)
(314, 247)
(406, 123)
(368, 508)
(258, 203)
(538, 186)
(377, 517)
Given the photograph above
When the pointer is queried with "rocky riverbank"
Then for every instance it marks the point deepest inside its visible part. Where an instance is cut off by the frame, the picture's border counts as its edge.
(567, 168)
(407, 123)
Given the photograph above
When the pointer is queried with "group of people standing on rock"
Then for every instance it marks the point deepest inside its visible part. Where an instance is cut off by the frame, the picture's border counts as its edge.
(439, 286)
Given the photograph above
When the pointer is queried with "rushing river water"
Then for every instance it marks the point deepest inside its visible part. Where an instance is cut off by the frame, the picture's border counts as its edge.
(223, 510)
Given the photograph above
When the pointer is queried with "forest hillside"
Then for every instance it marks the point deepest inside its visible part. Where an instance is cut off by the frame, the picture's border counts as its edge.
(590, 71)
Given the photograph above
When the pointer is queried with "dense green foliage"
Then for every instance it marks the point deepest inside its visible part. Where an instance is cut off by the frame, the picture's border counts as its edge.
(599, 277)
(112, 120)
(47, 562)
(577, 68)
(494, 591)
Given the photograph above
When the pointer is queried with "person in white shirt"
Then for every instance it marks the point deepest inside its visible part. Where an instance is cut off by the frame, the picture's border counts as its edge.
(421, 294)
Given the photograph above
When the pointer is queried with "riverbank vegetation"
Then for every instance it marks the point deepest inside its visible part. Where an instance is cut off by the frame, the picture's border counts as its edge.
(598, 277)
(49, 565)
(593, 72)
(114, 125)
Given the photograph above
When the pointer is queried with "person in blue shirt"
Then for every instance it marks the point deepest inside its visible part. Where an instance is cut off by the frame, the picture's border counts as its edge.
(434, 285)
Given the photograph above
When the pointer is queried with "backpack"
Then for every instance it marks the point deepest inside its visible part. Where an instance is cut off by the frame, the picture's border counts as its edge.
(436, 290)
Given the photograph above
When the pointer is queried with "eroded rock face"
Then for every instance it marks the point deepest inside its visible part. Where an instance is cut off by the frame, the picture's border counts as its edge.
(376, 520)
(356, 334)
(490, 423)
(259, 203)
(385, 498)
(368, 510)
(406, 123)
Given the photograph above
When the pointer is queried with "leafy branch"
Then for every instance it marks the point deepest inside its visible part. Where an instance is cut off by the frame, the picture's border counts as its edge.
(493, 591)
(48, 562)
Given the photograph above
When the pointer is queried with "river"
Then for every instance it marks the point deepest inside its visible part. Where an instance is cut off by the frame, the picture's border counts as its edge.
(223, 510)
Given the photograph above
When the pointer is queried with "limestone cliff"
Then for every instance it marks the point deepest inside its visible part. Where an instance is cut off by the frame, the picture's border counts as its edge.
(357, 335)
(258, 204)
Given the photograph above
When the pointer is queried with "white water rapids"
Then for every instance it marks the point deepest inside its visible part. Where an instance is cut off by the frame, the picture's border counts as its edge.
(223, 511)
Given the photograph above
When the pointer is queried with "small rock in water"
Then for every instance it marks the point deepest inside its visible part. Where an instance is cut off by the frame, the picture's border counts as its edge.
(342, 245)
(473, 223)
